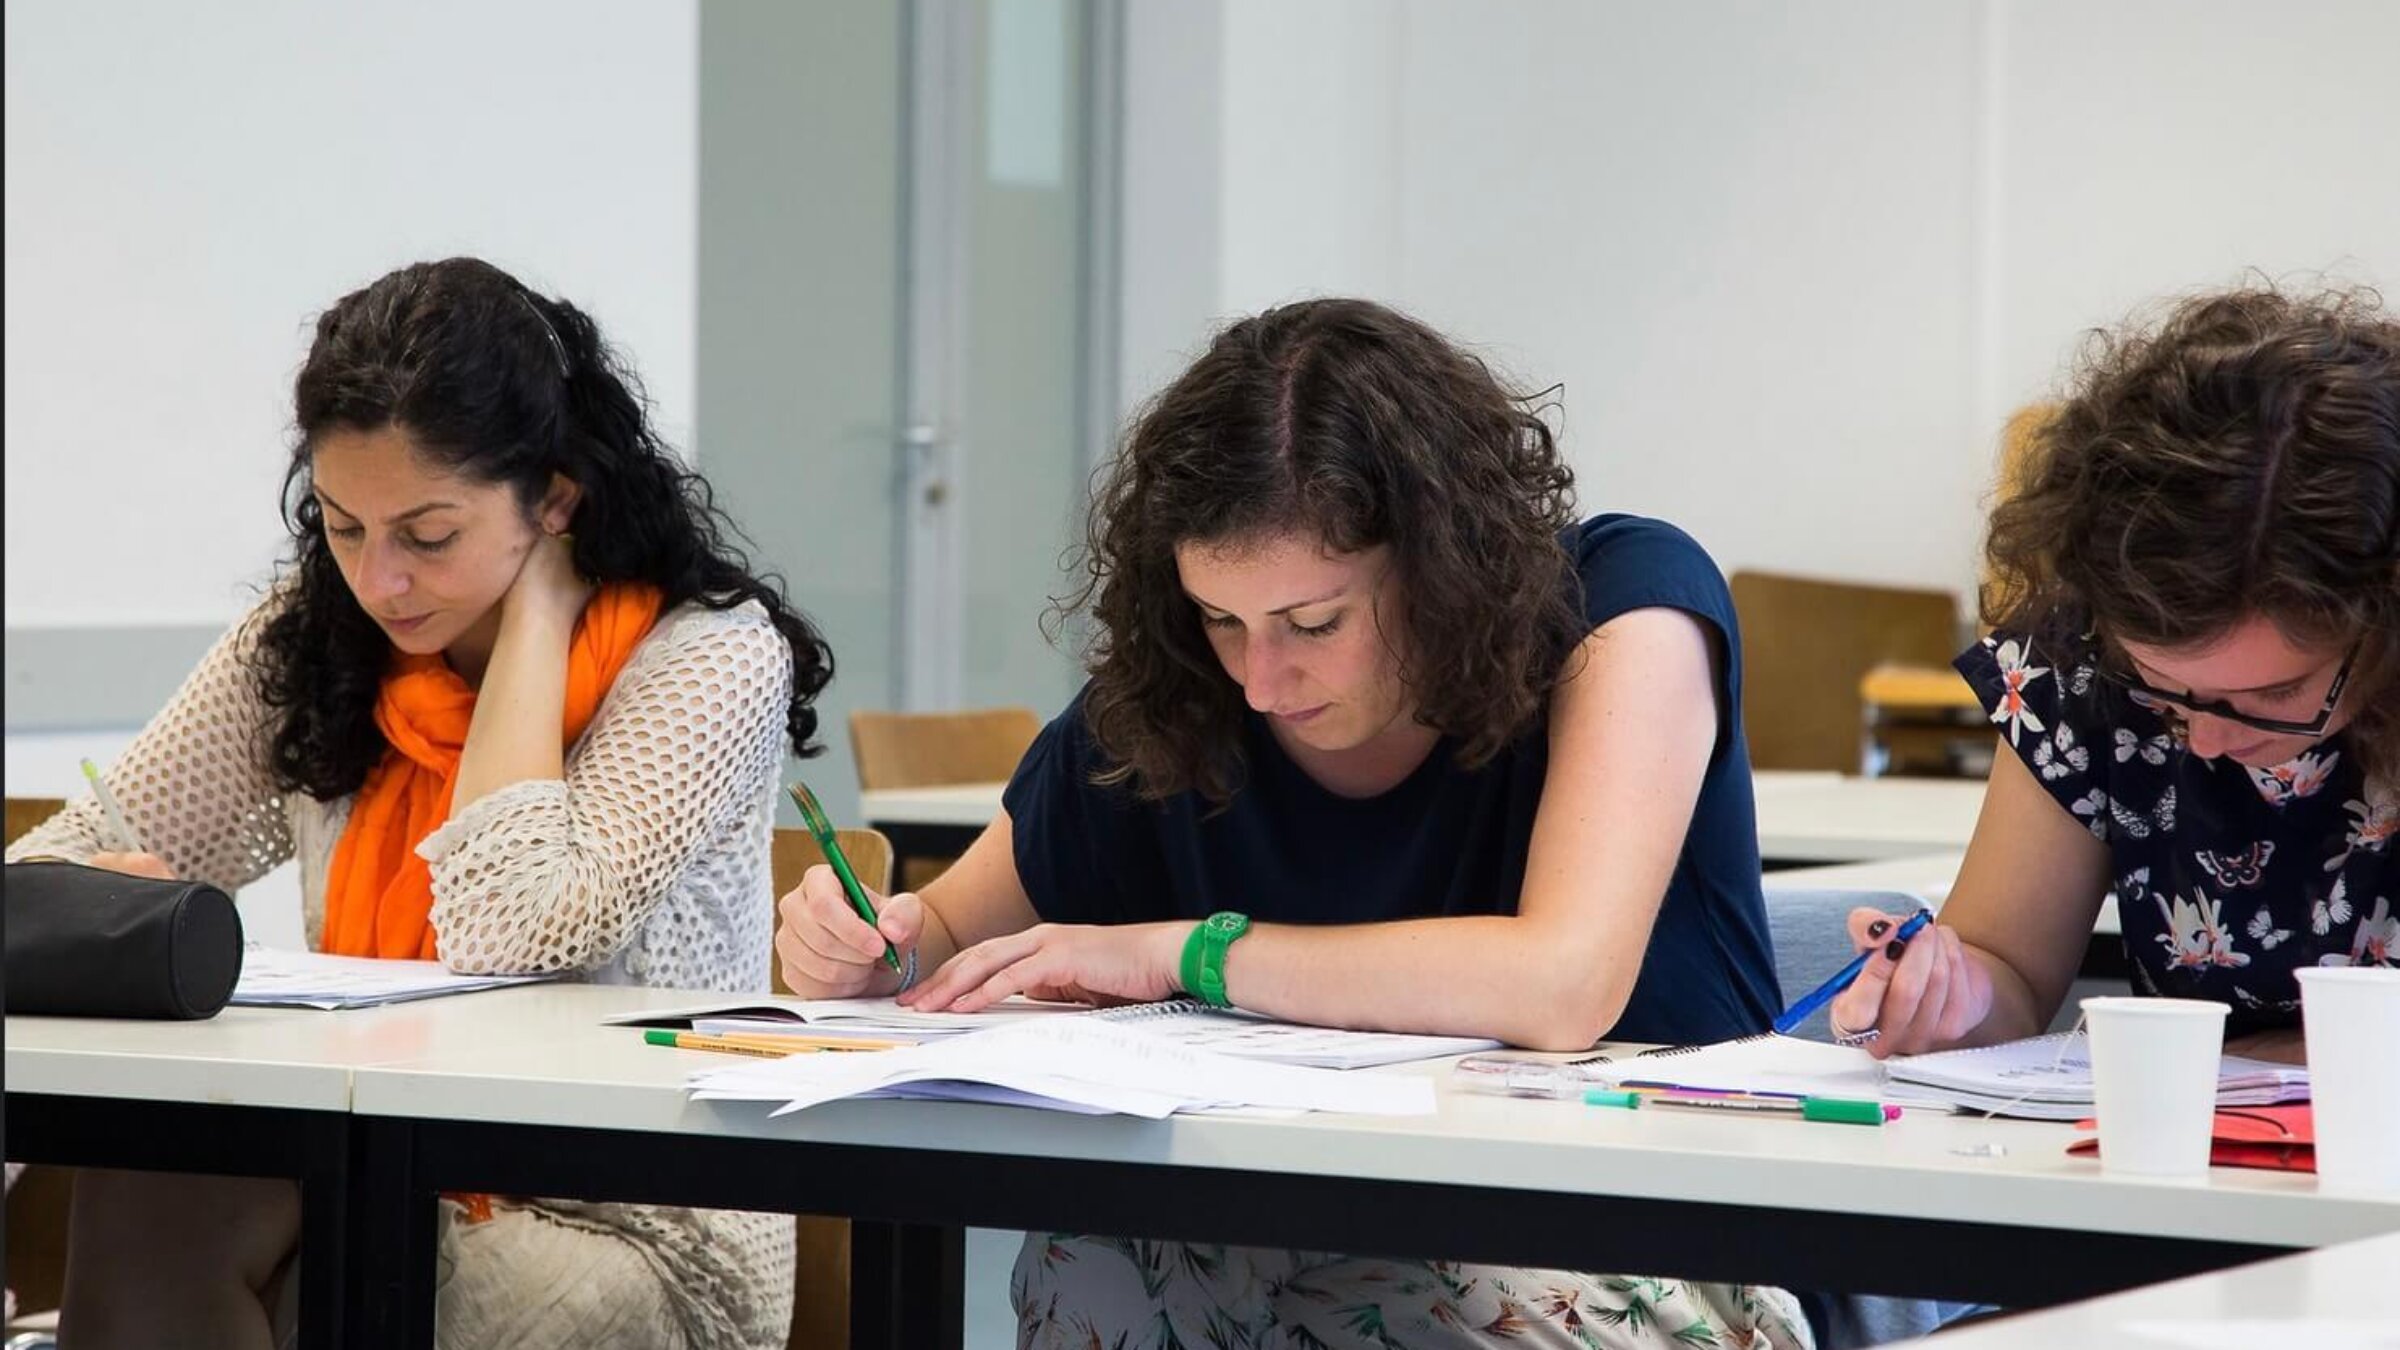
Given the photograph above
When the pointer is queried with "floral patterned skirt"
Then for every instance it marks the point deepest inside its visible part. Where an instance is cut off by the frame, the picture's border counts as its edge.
(1078, 1293)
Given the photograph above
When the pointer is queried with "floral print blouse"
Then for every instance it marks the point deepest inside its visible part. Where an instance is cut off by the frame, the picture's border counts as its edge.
(2227, 878)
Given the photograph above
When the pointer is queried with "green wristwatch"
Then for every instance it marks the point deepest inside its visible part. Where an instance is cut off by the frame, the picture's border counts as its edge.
(1204, 956)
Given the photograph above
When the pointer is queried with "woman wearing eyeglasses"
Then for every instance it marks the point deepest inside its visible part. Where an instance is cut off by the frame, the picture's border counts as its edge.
(2196, 610)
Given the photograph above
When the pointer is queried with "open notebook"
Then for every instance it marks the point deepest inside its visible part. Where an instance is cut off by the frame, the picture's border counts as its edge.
(2040, 1078)
(1184, 1022)
(2050, 1078)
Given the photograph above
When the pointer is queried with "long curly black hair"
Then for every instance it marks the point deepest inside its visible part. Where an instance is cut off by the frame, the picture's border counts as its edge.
(504, 386)
(1364, 426)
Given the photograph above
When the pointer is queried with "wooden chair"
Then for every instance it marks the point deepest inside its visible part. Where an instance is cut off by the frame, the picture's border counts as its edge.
(37, 1204)
(910, 750)
(1806, 646)
(821, 1266)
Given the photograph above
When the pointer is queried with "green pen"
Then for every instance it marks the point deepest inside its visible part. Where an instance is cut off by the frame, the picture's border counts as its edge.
(814, 815)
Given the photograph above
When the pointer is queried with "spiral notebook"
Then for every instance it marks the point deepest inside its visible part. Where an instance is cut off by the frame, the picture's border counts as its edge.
(2050, 1078)
(1185, 1022)
(2039, 1078)
(1228, 1031)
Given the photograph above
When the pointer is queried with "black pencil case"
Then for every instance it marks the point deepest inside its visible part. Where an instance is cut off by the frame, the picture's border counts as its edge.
(87, 942)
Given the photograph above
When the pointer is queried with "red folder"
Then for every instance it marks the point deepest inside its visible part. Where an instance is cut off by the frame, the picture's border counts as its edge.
(2278, 1138)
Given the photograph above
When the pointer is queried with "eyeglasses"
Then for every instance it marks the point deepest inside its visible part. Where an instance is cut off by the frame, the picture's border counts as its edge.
(2179, 707)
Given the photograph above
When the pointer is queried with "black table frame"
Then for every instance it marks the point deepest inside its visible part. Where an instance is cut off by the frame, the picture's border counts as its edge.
(369, 1186)
(914, 1203)
(318, 1149)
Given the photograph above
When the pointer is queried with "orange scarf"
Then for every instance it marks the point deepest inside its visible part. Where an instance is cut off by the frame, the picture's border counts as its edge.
(379, 893)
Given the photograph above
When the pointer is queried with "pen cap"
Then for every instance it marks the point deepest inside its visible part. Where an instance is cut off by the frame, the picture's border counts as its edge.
(1842, 1112)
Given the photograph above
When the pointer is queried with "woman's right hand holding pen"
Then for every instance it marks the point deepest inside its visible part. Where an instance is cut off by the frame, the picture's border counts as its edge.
(828, 951)
(1918, 994)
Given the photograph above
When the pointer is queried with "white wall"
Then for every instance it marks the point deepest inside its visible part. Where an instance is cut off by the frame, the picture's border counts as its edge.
(188, 185)
(1793, 263)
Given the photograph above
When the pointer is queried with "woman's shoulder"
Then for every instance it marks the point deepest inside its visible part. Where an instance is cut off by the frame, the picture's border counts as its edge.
(1628, 562)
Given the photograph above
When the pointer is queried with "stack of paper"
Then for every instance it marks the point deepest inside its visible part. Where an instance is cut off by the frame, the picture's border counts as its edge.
(2041, 1078)
(1761, 1063)
(1228, 1031)
(2050, 1078)
(277, 977)
(1179, 1021)
(1078, 1064)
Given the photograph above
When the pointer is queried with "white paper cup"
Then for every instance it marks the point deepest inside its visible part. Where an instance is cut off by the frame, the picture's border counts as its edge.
(2154, 1080)
(2352, 1018)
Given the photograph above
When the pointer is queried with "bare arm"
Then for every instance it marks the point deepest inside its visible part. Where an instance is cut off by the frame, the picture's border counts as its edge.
(1631, 734)
(2016, 922)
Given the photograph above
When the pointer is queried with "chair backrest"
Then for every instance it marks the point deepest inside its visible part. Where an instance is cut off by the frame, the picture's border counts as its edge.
(1812, 941)
(796, 851)
(821, 1245)
(26, 812)
(912, 750)
(1805, 643)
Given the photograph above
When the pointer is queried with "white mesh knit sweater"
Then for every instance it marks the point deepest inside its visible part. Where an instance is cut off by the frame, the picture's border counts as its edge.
(649, 864)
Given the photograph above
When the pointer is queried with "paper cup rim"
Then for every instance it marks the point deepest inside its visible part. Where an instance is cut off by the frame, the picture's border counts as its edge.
(2154, 1007)
(2368, 975)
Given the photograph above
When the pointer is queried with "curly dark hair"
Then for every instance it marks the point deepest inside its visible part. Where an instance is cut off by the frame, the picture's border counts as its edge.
(2239, 456)
(504, 386)
(1363, 426)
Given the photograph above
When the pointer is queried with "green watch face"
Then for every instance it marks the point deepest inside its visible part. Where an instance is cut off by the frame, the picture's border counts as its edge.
(1230, 925)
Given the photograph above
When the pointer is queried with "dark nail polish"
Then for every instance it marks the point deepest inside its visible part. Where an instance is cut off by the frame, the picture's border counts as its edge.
(1879, 928)
(1894, 948)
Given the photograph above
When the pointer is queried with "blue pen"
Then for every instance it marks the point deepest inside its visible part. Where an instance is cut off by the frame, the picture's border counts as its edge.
(1824, 993)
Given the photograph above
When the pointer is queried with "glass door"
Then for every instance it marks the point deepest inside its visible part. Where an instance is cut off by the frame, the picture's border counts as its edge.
(904, 301)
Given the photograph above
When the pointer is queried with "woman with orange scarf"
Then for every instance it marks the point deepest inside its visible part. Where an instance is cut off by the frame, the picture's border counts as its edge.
(513, 705)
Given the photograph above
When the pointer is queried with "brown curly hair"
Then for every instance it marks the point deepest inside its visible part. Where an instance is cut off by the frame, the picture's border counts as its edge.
(2240, 456)
(1363, 426)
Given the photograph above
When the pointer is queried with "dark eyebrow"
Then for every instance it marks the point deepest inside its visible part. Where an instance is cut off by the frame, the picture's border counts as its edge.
(408, 515)
(2253, 689)
(1296, 604)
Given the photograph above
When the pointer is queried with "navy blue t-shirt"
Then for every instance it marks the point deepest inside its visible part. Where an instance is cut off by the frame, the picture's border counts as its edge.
(1446, 841)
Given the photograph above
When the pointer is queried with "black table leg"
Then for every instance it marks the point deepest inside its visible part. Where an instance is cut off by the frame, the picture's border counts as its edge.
(907, 1286)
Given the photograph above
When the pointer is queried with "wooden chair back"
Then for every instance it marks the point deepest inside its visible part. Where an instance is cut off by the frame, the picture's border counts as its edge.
(1805, 645)
(910, 750)
(26, 812)
(821, 1244)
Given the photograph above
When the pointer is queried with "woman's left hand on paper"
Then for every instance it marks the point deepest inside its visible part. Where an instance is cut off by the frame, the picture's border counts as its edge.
(1073, 963)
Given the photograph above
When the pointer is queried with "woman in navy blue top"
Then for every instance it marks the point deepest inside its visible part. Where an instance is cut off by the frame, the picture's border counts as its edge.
(1377, 735)
(2196, 675)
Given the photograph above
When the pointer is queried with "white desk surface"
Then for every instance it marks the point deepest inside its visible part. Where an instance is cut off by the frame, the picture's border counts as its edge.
(2345, 1285)
(1927, 877)
(288, 1057)
(969, 804)
(1821, 817)
(605, 1077)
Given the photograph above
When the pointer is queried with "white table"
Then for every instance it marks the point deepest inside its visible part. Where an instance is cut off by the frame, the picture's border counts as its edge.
(1828, 818)
(1928, 877)
(1915, 1204)
(2270, 1303)
(249, 1092)
(1802, 817)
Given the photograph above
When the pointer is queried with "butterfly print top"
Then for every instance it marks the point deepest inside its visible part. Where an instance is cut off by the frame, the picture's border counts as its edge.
(2227, 878)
